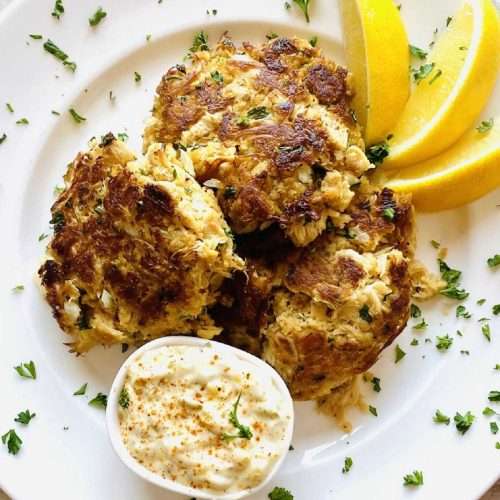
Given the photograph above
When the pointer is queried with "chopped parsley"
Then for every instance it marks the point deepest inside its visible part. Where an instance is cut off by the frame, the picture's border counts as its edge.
(78, 118)
(414, 342)
(435, 244)
(288, 6)
(497, 445)
(42, 236)
(448, 20)
(9, 107)
(347, 465)
(200, 42)
(279, 493)
(435, 77)
(422, 72)
(98, 16)
(53, 49)
(480, 302)
(304, 7)
(58, 10)
(400, 354)
(441, 418)
(81, 391)
(26, 370)
(463, 422)
(24, 417)
(373, 410)
(243, 430)
(496, 309)
(376, 384)
(3, 137)
(493, 427)
(494, 261)
(100, 401)
(485, 126)
(272, 35)
(494, 396)
(444, 343)
(377, 153)
(122, 136)
(13, 441)
(417, 52)
(217, 77)
(415, 311)
(489, 412)
(56, 113)
(389, 213)
(148, 37)
(36, 37)
(416, 478)
(462, 312)
(57, 221)
(137, 77)
(497, 367)
(364, 313)
(452, 278)
(486, 331)
(22, 121)
(18, 288)
(313, 41)
(257, 113)
(124, 399)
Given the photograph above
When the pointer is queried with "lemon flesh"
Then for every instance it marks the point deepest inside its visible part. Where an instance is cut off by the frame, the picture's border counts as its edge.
(444, 104)
(463, 173)
(377, 53)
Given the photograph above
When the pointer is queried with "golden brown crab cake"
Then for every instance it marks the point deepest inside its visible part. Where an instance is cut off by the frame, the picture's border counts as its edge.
(139, 250)
(270, 128)
(339, 309)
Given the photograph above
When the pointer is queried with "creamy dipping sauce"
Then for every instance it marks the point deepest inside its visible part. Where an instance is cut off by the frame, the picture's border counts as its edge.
(203, 418)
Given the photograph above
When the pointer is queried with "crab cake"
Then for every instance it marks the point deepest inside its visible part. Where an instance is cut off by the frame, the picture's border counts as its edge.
(270, 129)
(322, 314)
(139, 249)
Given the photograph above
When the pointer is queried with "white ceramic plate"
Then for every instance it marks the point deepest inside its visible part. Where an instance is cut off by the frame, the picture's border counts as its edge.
(66, 453)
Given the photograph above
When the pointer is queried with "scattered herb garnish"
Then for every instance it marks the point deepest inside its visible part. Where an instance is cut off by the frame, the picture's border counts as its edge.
(137, 77)
(57, 221)
(36, 37)
(100, 401)
(81, 391)
(347, 465)
(485, 126)
(200, 42)
(480, 302)
(42, 236)
(98, 16)
(462, 312)
(257, 113)
(279, 493)
(489, 412)
(24, 417)
(496, 309)
(122, 136)
(56, 113)
(18, 288)
(417, 52)
(58, 10)
(415, 311)
(13, 441)
(463, 422)
(22, 121)
(124, 399)
(494, 396)
(26, 370)
(313, 41)
(494, 261)
(452, 278)
(217, 77)
(377, 153)
(444, 343)
(400, 354)
(272, 35)
(448, 20)
(9, 107)
(441, 418)
(288, 6)
(414, 342)
(422, 72)
(389, 213)
(304, 7)
(486, 331)
(364, 313)
(53, 49)
(435, 244)
(435, 77)
(493, 427)
(376, 384)
(416, 478)
(2, 138)
(373, 410)
(148, 37)
(243, 430)
(497, 367)
(78, 118)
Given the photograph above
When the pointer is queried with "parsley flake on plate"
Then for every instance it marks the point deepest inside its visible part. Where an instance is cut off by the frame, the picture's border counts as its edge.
(494, 396)
(81, 391)
(304, 7)
(100, 401)
(257, 113)
(22, 121)
(441, 418)
(9, 107)
(422, 72)
(347, 465)
(376, 384)
(463, 422)
(279, 493)
(435, 244)
(36, 37)
(12, 441)
(26, 370)
(122, 136)
(436, 76)
(18, 288)
(400, 354)
(137, 77)
(462, 312)
(489, 412)
(417, 52)
(480, 302)
(416, 478)
(452, 278)
(53, 49)
(496, 309)
(444, 343)
(2, 138)
(494, 261)
(313, 41)
(485, 126)
(244, 431)
(58, 10)
(486, 331)
(415, 311)
(78, 118)
(414, 342)
(98, 16)
(373, 410)
(200, 42)
(494, 427)
(377, 153)
(24, 417)
(287, 6)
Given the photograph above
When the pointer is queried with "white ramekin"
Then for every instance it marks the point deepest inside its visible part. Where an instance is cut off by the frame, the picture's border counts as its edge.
(114, 426)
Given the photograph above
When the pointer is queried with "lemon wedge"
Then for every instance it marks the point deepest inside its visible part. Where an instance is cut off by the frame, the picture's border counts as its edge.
(377, 54)
(452, 87)
(463, 173)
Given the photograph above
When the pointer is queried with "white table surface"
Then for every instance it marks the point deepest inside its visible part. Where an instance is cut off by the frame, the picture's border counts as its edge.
(493, 494)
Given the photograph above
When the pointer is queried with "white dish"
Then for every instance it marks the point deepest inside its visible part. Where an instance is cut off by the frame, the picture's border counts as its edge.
(113, 424)
(79, 463)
